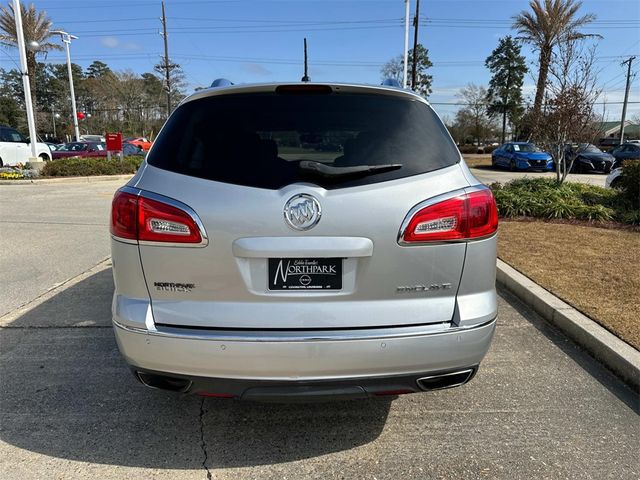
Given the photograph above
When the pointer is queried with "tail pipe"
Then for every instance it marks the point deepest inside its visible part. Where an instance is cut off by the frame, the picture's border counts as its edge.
(163, 382)
(446, 380)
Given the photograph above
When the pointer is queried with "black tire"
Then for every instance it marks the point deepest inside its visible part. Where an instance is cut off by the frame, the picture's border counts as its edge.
(1, 163)
(617, 183)
(44, 157)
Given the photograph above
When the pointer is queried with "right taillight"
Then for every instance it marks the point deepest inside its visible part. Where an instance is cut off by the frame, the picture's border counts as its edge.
(461, 217)
(135, 217)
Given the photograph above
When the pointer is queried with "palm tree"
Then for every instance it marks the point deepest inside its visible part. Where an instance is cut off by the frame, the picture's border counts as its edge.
(549, 23)
(37, 28)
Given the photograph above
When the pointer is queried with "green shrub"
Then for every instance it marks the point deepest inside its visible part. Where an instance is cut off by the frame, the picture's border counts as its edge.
(544, 198)
(86, 167)
(630, 183)
(476, 149)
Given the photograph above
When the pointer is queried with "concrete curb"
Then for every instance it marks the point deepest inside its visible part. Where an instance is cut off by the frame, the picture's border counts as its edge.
(617, 355)
(96, 178)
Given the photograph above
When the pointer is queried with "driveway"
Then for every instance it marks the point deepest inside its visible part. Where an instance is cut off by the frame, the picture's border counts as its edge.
(69, 407)
(489, 175)
(50, 233)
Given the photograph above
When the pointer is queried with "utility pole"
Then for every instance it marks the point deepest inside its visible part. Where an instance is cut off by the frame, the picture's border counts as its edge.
(167, 66)
(26, 85)
(406, 42)
(416, 21)
(626, 97)
(305, 77)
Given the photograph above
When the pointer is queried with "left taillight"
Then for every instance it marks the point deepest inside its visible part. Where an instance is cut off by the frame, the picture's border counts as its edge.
(135, 217)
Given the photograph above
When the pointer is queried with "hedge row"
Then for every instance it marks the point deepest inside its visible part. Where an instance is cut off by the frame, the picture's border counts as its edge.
(544, 198)
(87, 167)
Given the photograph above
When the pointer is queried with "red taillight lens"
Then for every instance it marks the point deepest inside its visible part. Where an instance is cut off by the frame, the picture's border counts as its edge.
(124, 216)
(483, 214)
(139, 218)
(466, 216)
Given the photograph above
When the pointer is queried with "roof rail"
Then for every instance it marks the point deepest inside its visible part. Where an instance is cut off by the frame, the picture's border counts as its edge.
(391, 82)
(221, 82)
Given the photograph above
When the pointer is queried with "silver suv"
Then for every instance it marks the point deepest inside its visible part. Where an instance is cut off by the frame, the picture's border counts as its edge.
(304, 241)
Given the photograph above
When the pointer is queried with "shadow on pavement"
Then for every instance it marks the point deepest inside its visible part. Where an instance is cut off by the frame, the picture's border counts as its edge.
(66, 392)
(606, 378)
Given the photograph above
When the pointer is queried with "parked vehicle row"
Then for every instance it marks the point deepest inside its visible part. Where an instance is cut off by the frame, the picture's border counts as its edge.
(584, 157)
(92, 149)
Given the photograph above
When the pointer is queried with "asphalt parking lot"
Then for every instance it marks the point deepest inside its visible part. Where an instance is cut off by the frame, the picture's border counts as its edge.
(489, 175)
(69, 408)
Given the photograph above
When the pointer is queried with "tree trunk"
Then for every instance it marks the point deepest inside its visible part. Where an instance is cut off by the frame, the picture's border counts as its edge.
(545, 60)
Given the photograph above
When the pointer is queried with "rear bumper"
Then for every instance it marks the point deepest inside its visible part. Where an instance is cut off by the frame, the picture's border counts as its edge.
(295, 357)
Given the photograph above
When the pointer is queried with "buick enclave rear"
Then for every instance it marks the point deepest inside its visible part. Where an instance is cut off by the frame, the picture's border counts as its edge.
(304, 241)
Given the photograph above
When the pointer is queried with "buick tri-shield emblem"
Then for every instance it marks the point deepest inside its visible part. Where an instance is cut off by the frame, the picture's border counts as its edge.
(302, 211)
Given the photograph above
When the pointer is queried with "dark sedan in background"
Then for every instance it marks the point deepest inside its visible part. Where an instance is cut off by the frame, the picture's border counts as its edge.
(92, 149)
(626, 151)
(521, 156)
(80, 149)
(588, 158)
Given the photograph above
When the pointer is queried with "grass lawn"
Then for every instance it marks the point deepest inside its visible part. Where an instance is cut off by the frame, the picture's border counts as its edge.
(477, 160)
(594, 269)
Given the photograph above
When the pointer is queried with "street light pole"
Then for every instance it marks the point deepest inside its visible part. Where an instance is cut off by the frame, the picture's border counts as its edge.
(66, 39)
(54, 115)
(406, 42)
(26, 84)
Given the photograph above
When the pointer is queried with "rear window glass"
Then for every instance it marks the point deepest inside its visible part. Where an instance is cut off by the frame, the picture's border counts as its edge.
(265, 140)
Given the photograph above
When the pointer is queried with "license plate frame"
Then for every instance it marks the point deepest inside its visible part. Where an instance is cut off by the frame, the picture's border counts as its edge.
(304, 274)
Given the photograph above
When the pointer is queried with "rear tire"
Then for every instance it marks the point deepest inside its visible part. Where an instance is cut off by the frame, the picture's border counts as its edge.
(44, 157)
(1, 163)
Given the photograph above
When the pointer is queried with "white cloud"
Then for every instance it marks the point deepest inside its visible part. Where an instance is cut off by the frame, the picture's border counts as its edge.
(110, 42)
(257, 69)
(114, 42)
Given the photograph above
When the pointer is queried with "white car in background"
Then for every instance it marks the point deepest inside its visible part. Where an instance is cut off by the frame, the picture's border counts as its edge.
(15, 149)
(613, 179)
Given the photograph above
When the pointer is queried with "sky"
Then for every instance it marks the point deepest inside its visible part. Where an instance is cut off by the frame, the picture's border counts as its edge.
(249, 41)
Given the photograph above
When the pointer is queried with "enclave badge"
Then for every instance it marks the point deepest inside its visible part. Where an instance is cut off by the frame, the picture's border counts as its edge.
(302, 212)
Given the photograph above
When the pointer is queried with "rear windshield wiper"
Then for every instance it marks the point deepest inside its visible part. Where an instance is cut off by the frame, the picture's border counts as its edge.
(331, 171)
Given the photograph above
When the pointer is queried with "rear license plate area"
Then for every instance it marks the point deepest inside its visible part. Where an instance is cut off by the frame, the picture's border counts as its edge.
(304, 274)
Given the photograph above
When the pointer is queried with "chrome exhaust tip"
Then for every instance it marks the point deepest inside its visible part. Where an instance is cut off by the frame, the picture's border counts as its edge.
(162, 382)
(446, 380)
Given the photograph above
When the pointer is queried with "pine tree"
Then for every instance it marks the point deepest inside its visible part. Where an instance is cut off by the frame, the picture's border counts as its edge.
(504, 95)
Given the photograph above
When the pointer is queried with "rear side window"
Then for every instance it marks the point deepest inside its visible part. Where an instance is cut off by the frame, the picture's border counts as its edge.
(265, 140)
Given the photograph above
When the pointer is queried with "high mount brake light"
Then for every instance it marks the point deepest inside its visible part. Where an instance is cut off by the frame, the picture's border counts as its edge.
(303, 89)
(463, 217)
(139, 218)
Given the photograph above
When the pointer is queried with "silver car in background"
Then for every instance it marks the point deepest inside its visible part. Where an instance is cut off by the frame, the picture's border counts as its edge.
(301, 242)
